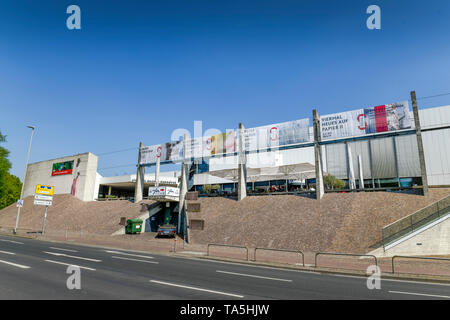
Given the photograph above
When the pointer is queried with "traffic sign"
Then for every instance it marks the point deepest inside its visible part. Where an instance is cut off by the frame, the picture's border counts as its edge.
(42, 189)
(42, 202)
(43, 197)
(19, 203)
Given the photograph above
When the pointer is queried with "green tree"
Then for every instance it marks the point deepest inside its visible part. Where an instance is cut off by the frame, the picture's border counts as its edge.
(331, 182)
(10, 185)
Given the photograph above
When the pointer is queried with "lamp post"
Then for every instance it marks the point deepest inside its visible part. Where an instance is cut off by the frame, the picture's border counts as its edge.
(24, 177)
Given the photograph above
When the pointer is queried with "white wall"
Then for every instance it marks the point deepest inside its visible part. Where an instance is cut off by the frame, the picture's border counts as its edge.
(41, 173)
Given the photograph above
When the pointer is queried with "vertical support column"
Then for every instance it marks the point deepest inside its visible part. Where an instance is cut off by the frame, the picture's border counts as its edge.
(242, 165)
(423, 168)
(157, 170)
(109, 193)
(371, 164)
(183, 190)
(350, 171)
(139, 187)
(360, 169)
(318, 156)
(397, 171)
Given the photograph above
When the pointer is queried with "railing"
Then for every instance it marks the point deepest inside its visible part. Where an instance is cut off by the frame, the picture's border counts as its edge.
(281, 250)
(419, 258)
(225, 245)
(343, 254)
(415, 221)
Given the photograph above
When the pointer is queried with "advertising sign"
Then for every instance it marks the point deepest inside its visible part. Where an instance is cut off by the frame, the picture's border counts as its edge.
(384, 118)
(163, 191)
(46, 190)
(170, 151)
(222, 143)
(276, 135)
(61, 168)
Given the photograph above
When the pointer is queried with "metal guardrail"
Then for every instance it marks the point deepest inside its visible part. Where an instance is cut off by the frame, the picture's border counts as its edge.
(343, 254)
(415, 221)
(420, 258)
(281, 250)
(225, 245)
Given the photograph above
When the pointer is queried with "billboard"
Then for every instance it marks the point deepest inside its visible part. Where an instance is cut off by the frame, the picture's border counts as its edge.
(222, 143)
(170, 151)
(276, 135)
(61, 168)
(384, 118)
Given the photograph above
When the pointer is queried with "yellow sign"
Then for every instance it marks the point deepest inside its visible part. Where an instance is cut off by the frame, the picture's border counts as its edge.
(48, 190)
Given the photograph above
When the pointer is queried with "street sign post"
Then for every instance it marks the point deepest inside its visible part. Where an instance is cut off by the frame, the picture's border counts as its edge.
(44, 197)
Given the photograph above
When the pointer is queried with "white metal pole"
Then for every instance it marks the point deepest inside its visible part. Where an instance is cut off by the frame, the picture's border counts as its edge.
(24, 177)
(45, 219)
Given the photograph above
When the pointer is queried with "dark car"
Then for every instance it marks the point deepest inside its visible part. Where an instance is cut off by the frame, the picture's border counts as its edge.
(167, 230)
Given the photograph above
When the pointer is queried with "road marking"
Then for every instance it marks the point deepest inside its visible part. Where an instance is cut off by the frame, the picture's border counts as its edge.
(75, 257)
(69, 264)
(6, 252)
(197, 289)
(123, 258)
(421, 294)
(253, 276)
(129, 254)
(15, 264)
(17, 242)
(69, 250)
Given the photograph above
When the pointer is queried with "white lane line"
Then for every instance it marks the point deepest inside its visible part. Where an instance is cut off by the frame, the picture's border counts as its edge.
(69, 264)
(130, 259)
(17, 242)
(128, 254)
(420, 294)
(75, 257)
(6, 252)
(15, 264)
(253, 276)
(62, 249)
(197, 289)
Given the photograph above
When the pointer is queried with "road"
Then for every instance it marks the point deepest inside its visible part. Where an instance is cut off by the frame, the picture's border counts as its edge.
(33, 269)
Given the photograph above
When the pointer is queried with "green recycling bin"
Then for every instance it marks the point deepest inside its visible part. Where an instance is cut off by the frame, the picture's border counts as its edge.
(133, 226)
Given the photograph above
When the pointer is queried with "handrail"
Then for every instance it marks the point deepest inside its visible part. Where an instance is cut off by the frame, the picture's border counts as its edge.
(282, 250)
(420, 258)
(343, 254)
(225, 245)
(408, 223)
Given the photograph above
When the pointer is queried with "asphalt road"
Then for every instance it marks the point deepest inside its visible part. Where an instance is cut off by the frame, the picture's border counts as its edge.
(33, 269)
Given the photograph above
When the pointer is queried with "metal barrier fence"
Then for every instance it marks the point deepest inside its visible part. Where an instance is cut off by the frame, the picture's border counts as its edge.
(343, 254)
(281, 250)
(419, 258)
(415, 221)
(225, 245)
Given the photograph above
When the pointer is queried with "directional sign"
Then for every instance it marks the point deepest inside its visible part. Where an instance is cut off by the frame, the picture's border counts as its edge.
(42, 189)
(43, 197)
(42, 202)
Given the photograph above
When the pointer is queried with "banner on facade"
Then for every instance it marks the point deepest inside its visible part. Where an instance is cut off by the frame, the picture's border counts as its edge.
(276, 135)
(384, 118)
(218, 144)
(170, 151)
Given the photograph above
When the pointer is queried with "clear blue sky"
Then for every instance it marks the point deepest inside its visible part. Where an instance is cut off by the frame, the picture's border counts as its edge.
(139, 69)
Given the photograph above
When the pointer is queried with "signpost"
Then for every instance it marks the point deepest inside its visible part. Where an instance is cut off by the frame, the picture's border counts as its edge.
(44, 197)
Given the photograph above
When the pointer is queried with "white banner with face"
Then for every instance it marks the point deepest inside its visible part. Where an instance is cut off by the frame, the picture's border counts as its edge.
(276, 135)
(170, 151)
(223, 143)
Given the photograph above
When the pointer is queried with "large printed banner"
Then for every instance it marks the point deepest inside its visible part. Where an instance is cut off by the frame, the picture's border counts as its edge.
(222, 143)
(170, 151)
(389, 117)
(61, 168)
(276, 135)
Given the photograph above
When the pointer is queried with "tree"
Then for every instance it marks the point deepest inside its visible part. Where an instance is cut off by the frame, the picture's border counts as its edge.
(10, 185)
(331, 182)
